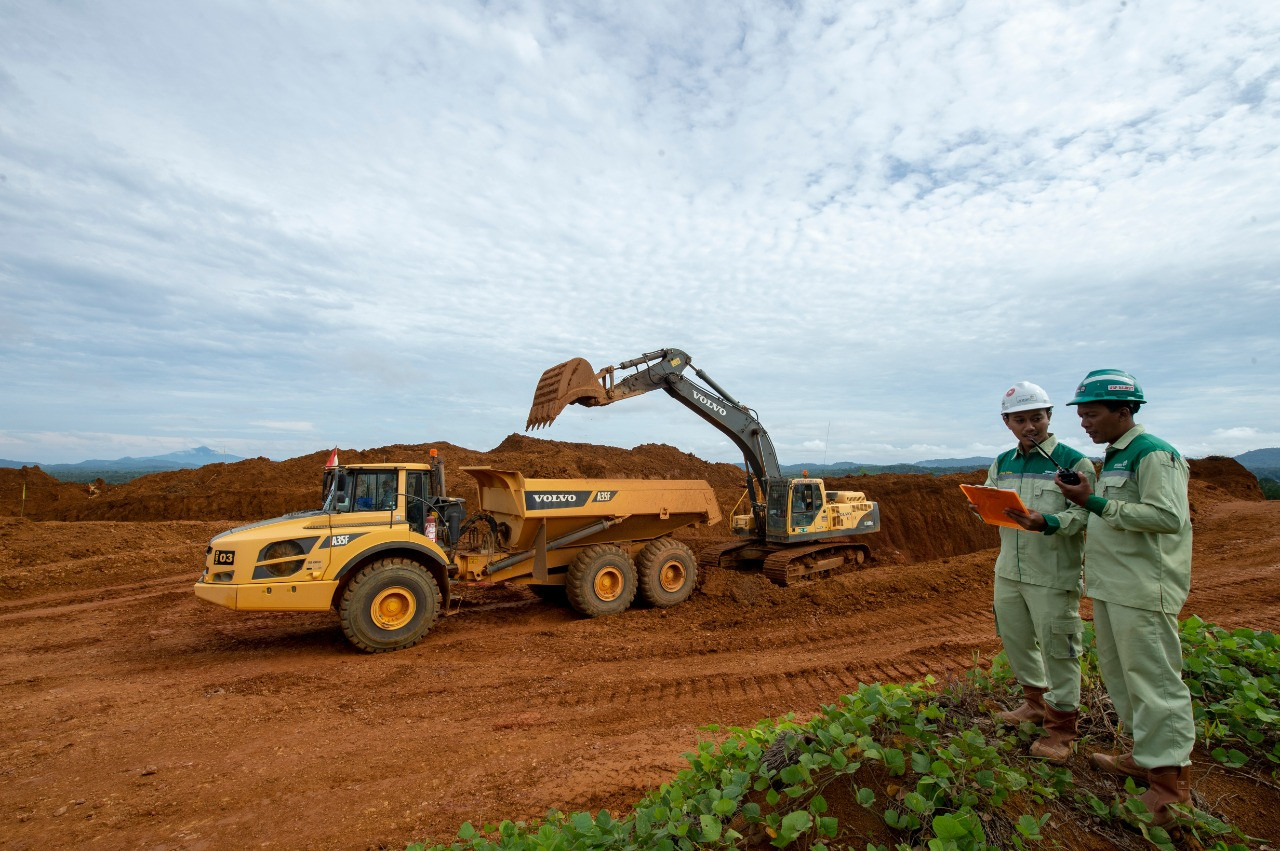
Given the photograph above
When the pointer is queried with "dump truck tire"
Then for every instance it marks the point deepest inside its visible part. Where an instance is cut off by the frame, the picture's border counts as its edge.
(667, 572)
(601, 581)
(389, 605)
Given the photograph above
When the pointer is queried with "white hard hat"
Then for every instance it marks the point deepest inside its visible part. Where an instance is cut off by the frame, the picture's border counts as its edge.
(1024, 396)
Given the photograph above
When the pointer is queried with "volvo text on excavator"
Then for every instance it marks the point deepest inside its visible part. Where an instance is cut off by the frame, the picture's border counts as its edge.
(795, 528)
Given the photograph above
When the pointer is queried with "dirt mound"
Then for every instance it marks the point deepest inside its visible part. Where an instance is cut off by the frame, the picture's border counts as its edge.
(922, 516)
(1217, 479)
(31, 492)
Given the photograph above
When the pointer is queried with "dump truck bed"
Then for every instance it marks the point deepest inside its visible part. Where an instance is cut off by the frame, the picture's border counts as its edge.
(533, 513)
(652, 507)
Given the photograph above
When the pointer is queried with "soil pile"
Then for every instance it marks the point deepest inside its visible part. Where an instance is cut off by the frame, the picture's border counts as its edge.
(31, 492)
(922, 516)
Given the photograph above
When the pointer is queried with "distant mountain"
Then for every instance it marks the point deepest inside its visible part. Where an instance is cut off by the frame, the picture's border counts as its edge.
(855, 468)
(975, 462)
(1260, 459)
(124, 469)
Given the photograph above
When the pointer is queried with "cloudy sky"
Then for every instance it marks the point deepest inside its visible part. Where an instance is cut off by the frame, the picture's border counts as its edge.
(274, 228)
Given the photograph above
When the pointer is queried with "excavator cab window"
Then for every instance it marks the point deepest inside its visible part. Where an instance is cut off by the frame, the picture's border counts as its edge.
(806, 501)
(776, 508)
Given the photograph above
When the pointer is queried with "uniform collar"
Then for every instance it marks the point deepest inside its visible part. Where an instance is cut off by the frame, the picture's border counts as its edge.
(1125, 439)
(1048, 444)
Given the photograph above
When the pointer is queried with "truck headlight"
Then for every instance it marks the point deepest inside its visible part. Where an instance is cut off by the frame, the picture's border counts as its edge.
(280, 558)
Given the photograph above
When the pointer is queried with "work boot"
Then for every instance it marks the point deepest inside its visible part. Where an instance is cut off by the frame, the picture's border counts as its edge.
(1060, 732)
(1031, 709)
(1169, 784)
(1122, 765)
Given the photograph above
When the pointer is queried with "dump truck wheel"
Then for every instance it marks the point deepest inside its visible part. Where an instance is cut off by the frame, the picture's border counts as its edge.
(389, 605)
(667, 572)
(601, 581)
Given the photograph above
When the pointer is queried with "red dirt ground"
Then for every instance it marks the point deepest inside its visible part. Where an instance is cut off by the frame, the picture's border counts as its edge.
(138, 716)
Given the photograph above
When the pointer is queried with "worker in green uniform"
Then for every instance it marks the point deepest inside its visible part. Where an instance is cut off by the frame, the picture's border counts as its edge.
(1137, 565)
(1037, 585)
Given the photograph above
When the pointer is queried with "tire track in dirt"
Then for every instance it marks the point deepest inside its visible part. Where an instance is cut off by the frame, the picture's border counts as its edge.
(51, 605)
(826, 675)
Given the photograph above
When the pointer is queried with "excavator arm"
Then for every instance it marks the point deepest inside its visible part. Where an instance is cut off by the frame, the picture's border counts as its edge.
(574, 382)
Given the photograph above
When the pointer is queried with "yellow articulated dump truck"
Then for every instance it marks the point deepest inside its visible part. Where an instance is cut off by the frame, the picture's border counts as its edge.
(388, 547)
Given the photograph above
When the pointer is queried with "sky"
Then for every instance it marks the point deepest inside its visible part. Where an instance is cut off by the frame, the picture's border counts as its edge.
(276, 228)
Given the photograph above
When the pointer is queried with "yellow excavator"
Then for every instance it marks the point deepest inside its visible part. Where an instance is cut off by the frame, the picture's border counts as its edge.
(795, 528)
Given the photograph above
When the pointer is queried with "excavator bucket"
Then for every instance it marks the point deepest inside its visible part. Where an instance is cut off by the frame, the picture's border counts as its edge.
(573, 381)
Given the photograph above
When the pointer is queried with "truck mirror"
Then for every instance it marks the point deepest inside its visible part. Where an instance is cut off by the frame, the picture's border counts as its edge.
(340, 502)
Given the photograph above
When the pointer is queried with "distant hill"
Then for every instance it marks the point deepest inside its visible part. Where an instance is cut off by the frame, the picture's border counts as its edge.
(977, 462)
(1263, 463)
(855, 468)
(128, 468)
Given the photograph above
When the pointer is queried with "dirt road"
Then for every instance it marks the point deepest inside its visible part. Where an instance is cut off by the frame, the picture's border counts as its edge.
(137, 716)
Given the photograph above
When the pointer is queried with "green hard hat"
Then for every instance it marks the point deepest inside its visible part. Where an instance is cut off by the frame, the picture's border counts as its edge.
(1112, 384)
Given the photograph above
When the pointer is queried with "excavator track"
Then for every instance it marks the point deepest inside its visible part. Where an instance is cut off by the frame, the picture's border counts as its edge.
(713, 555)
(817, 561)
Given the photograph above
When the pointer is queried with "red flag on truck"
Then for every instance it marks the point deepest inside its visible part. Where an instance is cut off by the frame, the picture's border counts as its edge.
(333, 458)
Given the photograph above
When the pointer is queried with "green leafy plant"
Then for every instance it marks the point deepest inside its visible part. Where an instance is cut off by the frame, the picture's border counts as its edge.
(1234, 678)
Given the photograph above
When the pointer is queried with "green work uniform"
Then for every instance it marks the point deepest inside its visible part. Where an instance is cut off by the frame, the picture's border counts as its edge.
(1137, 568)
(1037, 587)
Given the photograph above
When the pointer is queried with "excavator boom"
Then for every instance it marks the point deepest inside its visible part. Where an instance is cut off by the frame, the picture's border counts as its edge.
(574, 382)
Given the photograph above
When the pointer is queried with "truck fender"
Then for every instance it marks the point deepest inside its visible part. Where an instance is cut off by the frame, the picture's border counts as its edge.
(425, 556)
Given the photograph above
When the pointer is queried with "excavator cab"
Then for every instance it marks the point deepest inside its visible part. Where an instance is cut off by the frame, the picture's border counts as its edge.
(806, 504)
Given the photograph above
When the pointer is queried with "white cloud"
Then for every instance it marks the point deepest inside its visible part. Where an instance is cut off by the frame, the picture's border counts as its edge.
(381, 225)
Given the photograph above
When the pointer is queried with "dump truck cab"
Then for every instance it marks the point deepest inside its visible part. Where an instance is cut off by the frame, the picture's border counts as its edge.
(375, 521)
(409, 493)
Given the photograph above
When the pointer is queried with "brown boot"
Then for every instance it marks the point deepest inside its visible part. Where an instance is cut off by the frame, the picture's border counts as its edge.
(1060, 732)
(1031, 709)
(1122, 765)
(1169, 784)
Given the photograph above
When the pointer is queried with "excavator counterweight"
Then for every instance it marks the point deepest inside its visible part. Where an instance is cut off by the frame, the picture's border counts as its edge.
(573, 381)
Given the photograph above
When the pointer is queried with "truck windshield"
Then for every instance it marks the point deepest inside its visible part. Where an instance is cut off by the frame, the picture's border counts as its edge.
(375, 491)
(363, 490)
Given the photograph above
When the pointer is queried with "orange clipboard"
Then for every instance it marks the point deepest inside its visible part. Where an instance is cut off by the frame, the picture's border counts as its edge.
(991, 503)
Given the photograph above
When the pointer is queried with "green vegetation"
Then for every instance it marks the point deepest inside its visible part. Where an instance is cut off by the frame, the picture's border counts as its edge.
(1270, 488)
(110, 477)
(916, 766)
